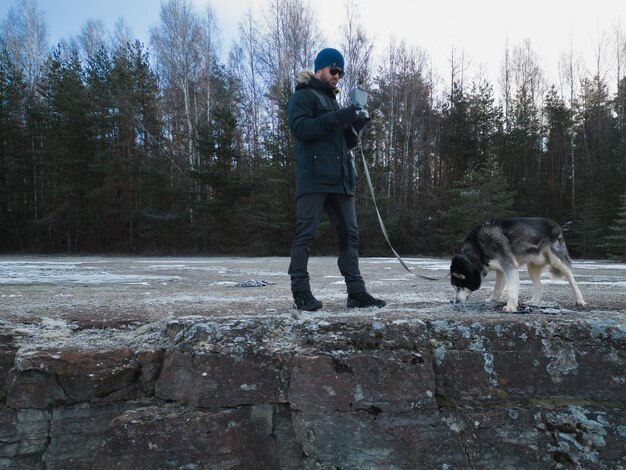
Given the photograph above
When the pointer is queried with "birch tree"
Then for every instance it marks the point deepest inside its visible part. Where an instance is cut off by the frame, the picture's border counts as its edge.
(505, 81)
(176, 42)
(527, 73)
(357, 49)
(209, 57)
(620, 59)
(25, 34)
(244, 60)
(91, 38)
(402, 97)
(569, 74)
(289, 43)
(122, 35)
(25, 42)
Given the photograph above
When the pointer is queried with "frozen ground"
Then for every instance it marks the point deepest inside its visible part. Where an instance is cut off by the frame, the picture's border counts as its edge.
(125, 292)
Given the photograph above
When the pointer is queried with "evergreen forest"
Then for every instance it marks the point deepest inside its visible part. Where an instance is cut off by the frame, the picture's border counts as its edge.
(180, 145)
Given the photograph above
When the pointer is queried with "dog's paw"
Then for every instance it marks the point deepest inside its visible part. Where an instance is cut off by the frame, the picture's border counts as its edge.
(509, 308)
(581, 303)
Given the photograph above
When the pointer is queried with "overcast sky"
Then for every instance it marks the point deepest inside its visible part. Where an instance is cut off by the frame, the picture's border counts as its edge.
(478, 28)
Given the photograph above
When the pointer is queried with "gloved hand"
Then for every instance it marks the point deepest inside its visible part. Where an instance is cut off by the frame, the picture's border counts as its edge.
(363, 114)
(348, 115)
(359, 124)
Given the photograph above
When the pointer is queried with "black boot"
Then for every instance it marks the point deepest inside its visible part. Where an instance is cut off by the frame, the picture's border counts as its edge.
(305, 301)
(363, 300)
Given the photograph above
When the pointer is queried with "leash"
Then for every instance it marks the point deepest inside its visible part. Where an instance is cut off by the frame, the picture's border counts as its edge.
(380, 219)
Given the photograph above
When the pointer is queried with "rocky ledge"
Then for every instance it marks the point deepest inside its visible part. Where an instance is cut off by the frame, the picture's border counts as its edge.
(396, 388)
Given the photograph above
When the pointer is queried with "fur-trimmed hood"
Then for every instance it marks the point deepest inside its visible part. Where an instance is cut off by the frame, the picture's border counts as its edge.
(306, 78)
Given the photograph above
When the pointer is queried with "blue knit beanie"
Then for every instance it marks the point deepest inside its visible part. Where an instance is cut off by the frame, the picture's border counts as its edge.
(328, 56)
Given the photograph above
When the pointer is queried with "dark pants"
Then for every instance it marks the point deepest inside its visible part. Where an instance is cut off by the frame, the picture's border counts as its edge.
(340, 210)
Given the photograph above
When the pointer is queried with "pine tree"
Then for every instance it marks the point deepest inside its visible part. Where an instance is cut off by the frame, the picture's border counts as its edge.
(143, 177)
(15, 170)
(601, 158)
(486, 120)
(587, 229)
(102, 167)
(68, 152)
(522, 162)
(616, 242)
(219, 177)
(482, 194)
(457, 145)
(554, 171)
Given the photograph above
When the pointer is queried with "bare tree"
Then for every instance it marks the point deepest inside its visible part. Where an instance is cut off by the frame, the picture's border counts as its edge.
(244, 61)
(620, 58)
(122, 35)
(527, 72)
(290, 41)
(176, 43)
(406, 96)
(458, 66)
(505, 80)
(25, 33)
(569, 67)
(620, 51)
(25, 36)
(390, 110)
(91, 38)
(210, 47)
(357, 48)
(602, 62)
(569, 73)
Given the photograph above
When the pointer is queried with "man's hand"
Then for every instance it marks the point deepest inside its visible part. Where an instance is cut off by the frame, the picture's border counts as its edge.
(348, 115)
(359, 124)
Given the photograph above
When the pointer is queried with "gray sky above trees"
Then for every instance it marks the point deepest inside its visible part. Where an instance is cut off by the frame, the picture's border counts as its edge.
(478, 30)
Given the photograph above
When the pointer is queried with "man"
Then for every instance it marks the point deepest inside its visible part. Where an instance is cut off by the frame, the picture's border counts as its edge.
(325, 177)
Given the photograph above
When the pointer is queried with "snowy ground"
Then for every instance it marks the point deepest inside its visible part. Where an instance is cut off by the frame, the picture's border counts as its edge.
(124, 292)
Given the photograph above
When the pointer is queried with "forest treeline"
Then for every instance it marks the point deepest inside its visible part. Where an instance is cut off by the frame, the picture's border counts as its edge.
(110, 145)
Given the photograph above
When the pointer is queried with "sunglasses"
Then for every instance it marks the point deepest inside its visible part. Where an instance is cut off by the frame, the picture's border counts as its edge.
(336, 71)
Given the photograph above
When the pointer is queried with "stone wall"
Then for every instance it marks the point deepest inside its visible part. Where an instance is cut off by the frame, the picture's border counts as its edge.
(357, 392)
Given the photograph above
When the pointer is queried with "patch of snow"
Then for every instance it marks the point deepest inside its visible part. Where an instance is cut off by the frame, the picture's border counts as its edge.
(81, 278)
(48, 272)
(602, 283)
(617, 283)
(597, 265)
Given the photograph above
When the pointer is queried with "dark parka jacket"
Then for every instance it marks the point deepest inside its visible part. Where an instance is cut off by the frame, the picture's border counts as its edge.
(324, 163)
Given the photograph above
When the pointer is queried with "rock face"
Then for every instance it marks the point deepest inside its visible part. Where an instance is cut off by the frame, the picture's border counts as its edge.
(356, 392)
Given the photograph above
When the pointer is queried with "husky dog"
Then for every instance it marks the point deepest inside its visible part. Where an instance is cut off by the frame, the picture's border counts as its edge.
(502, 245)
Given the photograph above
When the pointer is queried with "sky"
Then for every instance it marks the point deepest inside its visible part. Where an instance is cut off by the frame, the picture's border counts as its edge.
(479, 29)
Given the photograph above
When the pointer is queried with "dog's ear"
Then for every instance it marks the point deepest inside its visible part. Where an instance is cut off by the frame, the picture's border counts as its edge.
(459, 276)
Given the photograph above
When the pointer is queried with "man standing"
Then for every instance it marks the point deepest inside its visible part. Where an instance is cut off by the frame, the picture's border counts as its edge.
(325, 177)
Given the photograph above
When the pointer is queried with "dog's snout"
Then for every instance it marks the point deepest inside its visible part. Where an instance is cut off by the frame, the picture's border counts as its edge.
(461, 295)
